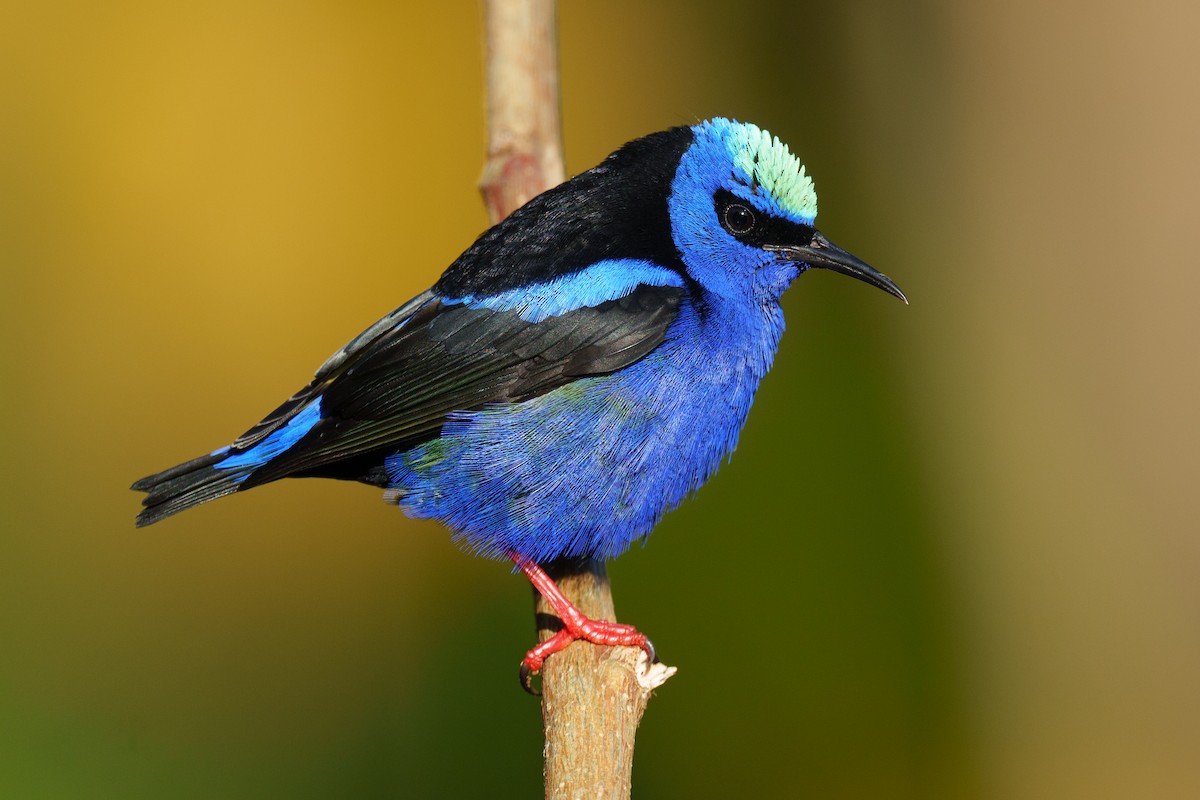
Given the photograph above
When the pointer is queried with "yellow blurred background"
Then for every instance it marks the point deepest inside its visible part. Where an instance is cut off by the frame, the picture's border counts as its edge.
(970, 519)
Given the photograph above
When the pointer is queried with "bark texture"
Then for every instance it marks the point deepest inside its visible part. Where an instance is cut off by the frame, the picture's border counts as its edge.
(592, 697)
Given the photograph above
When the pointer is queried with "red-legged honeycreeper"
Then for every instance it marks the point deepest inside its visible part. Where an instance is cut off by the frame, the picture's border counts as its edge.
(576, 373)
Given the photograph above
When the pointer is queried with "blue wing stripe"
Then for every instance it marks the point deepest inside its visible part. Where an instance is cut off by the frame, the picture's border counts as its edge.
(602, 281)
(279, 441)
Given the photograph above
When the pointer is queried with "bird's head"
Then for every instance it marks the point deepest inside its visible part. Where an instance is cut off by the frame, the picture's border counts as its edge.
(742, 211)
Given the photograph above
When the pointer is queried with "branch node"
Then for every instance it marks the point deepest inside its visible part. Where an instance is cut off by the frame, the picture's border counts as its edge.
(651, 676)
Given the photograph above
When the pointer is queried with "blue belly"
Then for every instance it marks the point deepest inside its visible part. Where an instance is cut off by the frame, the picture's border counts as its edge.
(591, 467)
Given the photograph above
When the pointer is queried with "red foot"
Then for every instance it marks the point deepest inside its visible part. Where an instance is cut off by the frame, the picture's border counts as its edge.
(575, 626)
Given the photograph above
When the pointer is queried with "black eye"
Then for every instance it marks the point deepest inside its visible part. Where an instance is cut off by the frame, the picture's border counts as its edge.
(738, 219)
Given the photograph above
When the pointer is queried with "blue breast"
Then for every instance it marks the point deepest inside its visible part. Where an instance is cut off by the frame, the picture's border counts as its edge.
(589, 468)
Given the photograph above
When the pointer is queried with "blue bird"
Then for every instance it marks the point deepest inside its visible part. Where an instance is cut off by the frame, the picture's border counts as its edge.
(582, 368)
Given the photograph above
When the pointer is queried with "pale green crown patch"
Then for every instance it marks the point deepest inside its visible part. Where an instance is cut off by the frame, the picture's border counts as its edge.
(768, 164)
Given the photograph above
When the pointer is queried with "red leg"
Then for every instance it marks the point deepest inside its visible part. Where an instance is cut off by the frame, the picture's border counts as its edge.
(575, 625)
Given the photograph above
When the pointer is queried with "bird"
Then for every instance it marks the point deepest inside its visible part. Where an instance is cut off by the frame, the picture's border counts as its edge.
(578, 371)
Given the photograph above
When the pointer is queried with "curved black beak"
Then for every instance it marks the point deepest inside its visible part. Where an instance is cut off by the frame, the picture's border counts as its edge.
(824, 254)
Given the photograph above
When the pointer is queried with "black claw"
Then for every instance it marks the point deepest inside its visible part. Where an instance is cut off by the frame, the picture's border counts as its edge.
(527, 680)
(651, 653)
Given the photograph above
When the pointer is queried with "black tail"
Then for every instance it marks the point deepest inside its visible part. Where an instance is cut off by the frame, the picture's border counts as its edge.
(189, 484)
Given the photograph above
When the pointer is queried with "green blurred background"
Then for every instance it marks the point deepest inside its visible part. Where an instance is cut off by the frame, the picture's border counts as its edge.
(956, 555)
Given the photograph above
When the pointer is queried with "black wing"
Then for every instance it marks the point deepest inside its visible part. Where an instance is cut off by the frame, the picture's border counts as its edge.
(398, 389)
(395, 384)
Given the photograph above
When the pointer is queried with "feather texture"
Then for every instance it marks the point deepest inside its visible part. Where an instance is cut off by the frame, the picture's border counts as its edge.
(579, 370)
(396, 387)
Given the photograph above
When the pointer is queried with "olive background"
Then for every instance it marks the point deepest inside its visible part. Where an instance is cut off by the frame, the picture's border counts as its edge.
(956, 554)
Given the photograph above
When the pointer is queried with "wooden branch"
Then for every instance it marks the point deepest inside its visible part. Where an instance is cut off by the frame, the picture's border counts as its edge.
(592, 697)
(524, 132)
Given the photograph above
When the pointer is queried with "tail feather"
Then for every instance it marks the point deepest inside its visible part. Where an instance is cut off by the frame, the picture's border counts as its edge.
(186, 485)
